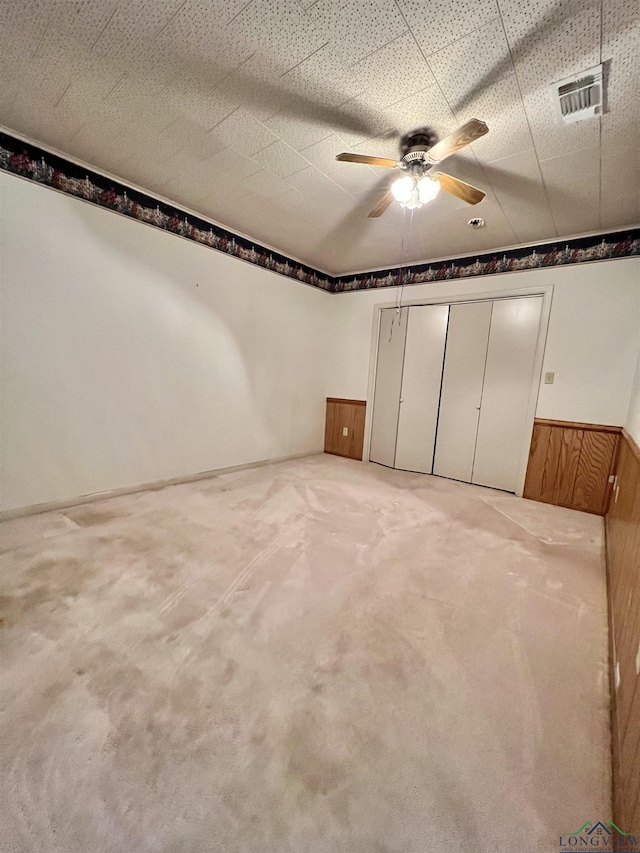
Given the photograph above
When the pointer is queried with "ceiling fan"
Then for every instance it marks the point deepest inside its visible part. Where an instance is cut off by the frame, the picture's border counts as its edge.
(418, 184)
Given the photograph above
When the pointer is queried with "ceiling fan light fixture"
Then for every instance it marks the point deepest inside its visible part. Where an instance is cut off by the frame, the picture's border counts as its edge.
(414, 202)
(402, 189)
(428, 189)
(417, 186)
(412, 192)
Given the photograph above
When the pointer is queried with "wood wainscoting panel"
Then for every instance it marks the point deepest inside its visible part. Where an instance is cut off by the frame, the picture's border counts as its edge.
(623, 580)
(597, 459)
(341, 414)
(571, 442)
(570, 464)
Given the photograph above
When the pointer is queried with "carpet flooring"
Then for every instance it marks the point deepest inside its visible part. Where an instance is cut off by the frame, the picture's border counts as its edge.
(313, 656)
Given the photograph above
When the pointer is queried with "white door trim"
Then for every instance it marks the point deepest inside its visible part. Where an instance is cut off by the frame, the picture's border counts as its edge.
(546, 291)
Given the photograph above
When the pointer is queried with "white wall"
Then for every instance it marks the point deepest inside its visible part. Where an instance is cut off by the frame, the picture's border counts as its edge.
(130, 355)
(592, 343)
(633, 417)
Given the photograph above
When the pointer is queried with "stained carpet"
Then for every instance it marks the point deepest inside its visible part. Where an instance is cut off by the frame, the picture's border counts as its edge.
(320, 655)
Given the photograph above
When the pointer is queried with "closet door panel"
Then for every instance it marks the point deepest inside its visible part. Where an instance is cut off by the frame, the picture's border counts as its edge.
(462, 389)
(386, 396)
(507, 386)
(420, 396)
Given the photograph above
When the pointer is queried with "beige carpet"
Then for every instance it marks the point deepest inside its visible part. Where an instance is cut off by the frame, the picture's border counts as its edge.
(320, 655)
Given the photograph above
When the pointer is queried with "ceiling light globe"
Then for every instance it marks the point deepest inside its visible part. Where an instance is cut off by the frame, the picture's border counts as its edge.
(428, 189)
(414, 201)
(402, 189)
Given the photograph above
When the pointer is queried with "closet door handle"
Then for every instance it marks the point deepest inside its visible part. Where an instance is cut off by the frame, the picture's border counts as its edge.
(478, 407)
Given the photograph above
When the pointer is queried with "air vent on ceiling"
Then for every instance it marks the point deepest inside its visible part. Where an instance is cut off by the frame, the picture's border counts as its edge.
(579, 97)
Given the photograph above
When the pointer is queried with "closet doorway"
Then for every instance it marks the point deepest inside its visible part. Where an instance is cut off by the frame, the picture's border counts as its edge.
(455, 387)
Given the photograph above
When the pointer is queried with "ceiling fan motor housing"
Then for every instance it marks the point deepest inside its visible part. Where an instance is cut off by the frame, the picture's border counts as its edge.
(418, 140)
(415, 162)
(414, 147)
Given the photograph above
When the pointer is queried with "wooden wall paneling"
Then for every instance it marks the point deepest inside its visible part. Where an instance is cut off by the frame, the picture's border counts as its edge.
(623, 590)
(630, 552)
(620, 517)
(358, 431)
(617, 739)
(533, 487)
(329, 429)
(331, 433)
(630, 779)
(628, 630)
(627, 625)
(340, 414)
(570, 464)
(344, 418)
(592, 474)
(630, 753)
(616, 752)
(571, 447)
(551, 469)
(627, 731)
(623, 575)
(633, 792)
(635, 820)
(542, 473)
(553, 463)
(628, 592)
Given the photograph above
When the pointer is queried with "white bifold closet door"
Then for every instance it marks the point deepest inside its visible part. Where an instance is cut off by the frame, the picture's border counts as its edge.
(386, 395)
(508, 376)
(486, 383)
(452, 389)
(461, 396)
(420, 394)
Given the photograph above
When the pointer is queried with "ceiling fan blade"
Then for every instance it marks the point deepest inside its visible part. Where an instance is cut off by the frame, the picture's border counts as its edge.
(468, 132)
(460, 189)
(382, 205)
(367, 160)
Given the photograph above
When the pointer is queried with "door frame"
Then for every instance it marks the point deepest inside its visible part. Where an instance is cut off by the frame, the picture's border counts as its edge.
(545, 291)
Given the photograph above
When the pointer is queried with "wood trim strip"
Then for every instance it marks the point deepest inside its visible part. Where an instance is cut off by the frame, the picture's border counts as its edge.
(579, 425)
(346, 402)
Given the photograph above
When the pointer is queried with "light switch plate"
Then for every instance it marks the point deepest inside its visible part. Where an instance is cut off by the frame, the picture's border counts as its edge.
(548, 378)
(345, 430)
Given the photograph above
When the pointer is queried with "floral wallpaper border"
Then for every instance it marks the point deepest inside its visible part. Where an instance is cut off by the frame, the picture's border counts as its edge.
(41, 166)
(597, 247)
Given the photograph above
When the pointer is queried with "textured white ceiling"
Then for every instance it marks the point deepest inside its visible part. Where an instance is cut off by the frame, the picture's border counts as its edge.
(237, 109)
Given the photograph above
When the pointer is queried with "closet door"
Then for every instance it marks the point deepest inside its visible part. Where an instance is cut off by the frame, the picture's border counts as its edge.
(505, 396)
(464, 363)
(421, 378)
(386, 395)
